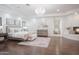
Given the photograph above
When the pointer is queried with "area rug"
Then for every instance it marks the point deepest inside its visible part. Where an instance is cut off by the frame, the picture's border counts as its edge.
(39, 42)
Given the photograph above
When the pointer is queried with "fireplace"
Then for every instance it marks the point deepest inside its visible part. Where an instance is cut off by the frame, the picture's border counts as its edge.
(76, 30)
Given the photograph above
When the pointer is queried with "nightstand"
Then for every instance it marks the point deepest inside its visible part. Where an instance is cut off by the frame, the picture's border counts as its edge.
(3, 43)
(42, 33)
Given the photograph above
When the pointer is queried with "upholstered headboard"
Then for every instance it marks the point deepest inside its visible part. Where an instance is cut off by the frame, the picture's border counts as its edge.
(10, 29)
(13, 29)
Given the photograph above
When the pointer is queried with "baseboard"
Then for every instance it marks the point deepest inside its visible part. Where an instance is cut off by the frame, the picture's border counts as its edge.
(72, 37)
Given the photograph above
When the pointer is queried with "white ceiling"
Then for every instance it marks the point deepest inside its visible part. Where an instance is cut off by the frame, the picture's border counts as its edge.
(28, 10)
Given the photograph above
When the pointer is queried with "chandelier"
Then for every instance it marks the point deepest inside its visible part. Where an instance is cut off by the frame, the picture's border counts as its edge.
(40, 11)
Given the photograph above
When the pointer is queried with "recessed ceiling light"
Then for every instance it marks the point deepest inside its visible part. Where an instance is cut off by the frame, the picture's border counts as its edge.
(58, 10)
(76, 13)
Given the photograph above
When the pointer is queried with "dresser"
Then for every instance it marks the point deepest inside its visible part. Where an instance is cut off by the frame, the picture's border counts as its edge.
(42, 33)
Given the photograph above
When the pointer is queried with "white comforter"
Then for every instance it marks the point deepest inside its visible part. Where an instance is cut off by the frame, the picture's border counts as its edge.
(23, 35)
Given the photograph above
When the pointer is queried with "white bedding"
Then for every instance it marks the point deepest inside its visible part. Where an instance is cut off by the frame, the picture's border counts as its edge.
(23, 35)
(18, 33)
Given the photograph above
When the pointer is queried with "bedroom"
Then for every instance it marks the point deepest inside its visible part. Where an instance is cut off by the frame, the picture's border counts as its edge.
(38, 29)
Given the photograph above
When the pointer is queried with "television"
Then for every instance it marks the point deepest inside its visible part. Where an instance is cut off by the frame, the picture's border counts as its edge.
(76, 30)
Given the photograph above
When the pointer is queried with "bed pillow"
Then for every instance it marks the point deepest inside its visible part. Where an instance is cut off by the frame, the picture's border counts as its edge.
(11, 30)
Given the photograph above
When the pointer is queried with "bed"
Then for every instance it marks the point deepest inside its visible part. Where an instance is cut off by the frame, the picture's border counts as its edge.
(19, 34)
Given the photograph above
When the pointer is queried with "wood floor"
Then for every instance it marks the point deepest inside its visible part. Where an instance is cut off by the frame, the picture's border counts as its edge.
(57, 46)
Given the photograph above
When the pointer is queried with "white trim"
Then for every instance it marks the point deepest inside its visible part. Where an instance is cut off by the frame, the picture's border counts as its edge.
(71, 36)
(58, 14)
(48, 15)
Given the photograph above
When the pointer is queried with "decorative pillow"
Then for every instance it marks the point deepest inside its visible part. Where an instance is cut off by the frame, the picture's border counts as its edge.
(11, 30)
(16, 30)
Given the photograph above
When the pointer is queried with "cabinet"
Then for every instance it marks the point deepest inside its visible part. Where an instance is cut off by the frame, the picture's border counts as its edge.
(42, 33)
